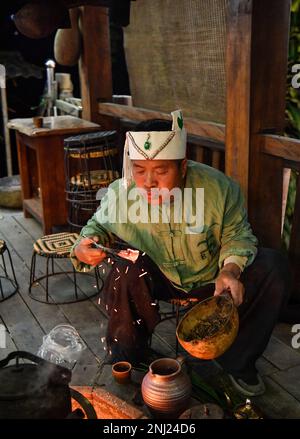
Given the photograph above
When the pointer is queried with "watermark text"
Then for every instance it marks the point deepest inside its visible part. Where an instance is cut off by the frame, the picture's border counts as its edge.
(296, 338)
(154, 206)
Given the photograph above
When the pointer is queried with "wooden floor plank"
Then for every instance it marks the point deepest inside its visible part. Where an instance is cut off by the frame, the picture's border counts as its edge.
(264, 367)
(166, 330)
(282, 356)
(84, 374)
(289, 379)
(47, 315)
(276, 403)
(23, 327)
(10, 345)
(75, 314)
(283, 332)
(27, 321)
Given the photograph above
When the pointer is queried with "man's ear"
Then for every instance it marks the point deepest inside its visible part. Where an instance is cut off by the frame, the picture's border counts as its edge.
(183, 167)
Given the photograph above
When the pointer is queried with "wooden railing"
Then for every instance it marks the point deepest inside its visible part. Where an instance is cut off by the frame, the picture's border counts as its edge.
(283, 147)
(286, 153)
(211, 130)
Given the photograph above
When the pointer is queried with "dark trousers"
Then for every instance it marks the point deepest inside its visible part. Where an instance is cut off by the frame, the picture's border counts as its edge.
(130, 297)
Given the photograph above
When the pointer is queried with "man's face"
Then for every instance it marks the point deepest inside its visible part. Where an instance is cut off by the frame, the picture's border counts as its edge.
(158, 174)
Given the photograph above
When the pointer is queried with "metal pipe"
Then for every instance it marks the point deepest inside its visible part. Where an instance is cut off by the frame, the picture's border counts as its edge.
(5, 121)
(51, 87)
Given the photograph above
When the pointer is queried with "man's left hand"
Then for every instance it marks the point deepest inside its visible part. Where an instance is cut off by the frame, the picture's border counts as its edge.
(227, 280)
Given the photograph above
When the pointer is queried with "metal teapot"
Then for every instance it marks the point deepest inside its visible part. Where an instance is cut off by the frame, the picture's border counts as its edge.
(37, 390)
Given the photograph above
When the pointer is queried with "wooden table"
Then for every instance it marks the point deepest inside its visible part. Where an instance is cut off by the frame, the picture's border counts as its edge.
(41, 164)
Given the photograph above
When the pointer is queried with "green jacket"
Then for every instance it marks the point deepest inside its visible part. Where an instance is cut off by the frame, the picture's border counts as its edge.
(188, 260)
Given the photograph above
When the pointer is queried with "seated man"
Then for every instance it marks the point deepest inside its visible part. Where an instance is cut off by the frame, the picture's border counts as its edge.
(199, 247)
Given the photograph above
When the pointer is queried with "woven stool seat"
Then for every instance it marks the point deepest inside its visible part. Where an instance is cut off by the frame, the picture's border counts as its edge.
(8, 282)
(57, 245)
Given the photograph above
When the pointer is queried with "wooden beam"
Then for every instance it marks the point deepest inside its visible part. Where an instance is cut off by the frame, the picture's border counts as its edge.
(279, 146)
(238, 74)
(212, 145)
(266, 213)
(269, 55)
(95, 63)
(256, 67)
(271, 27)
(193, 126)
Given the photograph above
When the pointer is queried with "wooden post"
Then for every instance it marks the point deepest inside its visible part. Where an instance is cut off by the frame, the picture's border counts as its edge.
(256, 68)
(238, 74)
(95, 63)
(270, 38)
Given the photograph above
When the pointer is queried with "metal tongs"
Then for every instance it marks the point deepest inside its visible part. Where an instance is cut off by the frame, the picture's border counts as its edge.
(117, 254)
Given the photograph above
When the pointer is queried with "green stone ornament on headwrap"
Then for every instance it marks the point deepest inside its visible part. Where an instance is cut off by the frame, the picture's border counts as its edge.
(180, 121)
(147, 144)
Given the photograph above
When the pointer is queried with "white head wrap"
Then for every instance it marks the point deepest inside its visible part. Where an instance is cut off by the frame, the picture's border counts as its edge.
(154, 145)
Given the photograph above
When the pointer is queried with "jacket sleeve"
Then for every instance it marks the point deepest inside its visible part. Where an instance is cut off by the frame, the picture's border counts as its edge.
(92, 228)
(237, 238)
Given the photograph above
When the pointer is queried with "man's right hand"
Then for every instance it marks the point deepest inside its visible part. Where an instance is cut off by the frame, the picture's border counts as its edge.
(85, 253)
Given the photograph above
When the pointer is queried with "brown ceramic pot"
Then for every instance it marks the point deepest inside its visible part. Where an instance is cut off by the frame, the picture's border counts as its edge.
(121, 371)
(166, 389)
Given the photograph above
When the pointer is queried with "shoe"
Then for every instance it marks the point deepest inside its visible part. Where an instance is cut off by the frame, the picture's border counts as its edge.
(252, 386)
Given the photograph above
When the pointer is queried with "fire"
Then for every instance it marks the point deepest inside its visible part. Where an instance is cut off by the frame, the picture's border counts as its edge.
(107, 405)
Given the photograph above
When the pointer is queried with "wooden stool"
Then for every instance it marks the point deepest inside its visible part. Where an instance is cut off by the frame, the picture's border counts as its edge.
(57, 246)
(9, 279)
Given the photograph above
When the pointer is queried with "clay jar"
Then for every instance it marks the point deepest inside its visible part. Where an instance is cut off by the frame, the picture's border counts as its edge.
(166, 389)
(121, 372)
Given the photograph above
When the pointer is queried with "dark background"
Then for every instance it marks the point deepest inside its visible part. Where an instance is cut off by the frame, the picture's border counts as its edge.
(24, 94)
